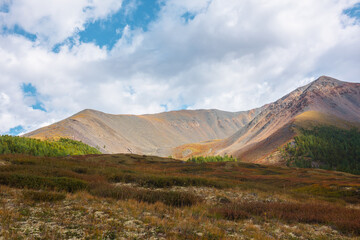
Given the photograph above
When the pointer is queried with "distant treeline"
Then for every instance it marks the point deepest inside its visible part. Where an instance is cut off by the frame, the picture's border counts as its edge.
(202, 159)
(51, 148)
(327, 148)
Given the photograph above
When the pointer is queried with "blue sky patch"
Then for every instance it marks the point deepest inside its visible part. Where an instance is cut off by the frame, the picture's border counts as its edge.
(56, 48)
(184, 107)
(70, 42)
(4, 7)
(135, 13)
(39, 106)
(15, 130)
(188, 16)
(131, 90)
(30, 91)
(353, 12)
(165, 106)
(19, 31)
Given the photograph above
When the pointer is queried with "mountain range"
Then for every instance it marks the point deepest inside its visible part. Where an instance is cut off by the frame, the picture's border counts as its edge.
(252, 136)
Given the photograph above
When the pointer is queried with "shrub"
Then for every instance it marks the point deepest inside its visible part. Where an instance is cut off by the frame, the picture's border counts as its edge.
(80, 170)
(351, 195)
(166, 181)
(206, 159)
(232, 212)
(37, 182)
(171, 198)
(345, 219)
(43, 196)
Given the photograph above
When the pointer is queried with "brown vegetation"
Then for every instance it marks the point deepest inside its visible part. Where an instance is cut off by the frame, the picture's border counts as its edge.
(171, 198)
(134, 196)
(43, 196)
(345, 219)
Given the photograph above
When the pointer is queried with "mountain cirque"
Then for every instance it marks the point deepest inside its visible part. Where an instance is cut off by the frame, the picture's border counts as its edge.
(155, 134)
(253, 135)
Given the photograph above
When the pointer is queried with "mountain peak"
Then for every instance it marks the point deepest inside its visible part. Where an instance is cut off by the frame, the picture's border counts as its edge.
(88, 110)
(325, 80)
(322, 83)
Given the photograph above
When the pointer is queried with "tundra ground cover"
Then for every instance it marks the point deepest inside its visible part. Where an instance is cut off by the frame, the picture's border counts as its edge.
(142, 197)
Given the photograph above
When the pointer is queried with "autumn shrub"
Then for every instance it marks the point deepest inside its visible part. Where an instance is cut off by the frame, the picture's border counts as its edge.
(344, 219)
(167, 181)
(351, 195)
(45, 183)
(43, 196)
(232, 212)
(80, 170)
(171, 198)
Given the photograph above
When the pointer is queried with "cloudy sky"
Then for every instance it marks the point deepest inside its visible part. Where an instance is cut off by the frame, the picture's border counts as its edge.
(58, 57)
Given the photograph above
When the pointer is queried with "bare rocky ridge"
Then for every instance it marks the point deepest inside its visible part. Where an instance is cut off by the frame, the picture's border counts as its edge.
(154, 134)
(250, 135)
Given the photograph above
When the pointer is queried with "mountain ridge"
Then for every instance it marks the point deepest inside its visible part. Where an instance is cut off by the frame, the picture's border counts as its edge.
(150, 133)
(325, 95)
(250, 135)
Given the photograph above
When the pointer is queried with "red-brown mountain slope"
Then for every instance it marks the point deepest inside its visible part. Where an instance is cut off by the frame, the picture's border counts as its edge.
(326, 101)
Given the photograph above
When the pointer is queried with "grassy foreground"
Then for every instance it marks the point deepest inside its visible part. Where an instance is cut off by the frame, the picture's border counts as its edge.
(128, 196)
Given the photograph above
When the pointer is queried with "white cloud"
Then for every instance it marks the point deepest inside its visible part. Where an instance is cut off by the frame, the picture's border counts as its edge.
(54, 21)
(234, 55)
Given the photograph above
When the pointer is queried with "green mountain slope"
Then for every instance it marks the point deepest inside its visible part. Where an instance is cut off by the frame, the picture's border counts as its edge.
(326, 147)
(61, 147)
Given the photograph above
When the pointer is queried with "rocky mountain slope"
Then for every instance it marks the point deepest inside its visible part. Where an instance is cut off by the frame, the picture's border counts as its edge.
(324, 101)
(155, 134)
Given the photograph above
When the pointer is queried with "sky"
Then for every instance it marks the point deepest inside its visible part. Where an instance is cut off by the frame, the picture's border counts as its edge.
(58, 57)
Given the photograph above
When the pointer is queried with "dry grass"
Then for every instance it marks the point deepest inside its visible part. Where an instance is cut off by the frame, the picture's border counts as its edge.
(310, 119)
(194, 149)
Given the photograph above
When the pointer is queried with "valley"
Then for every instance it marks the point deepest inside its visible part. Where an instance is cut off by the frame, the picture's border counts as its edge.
(286, 170)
